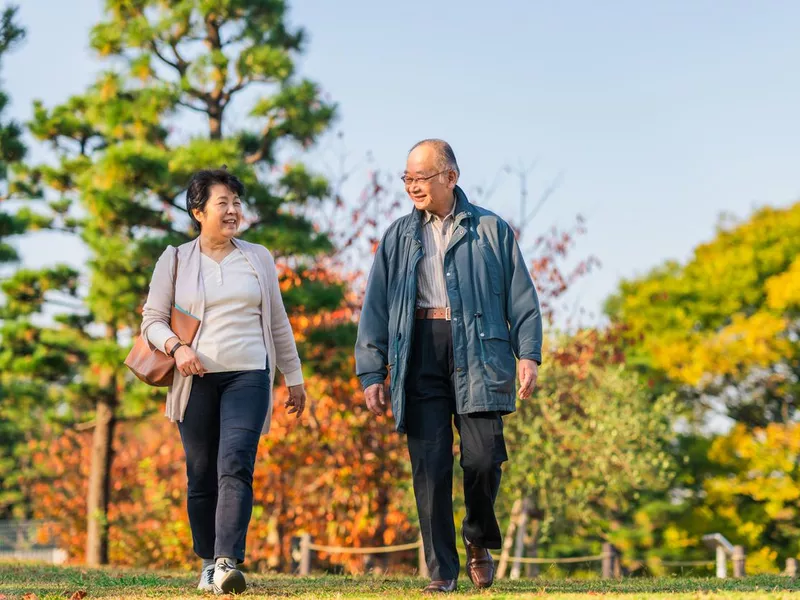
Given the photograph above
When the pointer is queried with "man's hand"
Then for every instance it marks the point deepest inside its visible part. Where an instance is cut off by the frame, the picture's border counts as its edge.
(377, 396)
(528, 374)
(297, 399)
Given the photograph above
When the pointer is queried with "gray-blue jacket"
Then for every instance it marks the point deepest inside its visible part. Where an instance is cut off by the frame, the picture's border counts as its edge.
(495, 311)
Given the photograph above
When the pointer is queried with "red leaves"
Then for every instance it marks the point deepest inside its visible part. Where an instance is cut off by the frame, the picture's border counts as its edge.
(551, 276)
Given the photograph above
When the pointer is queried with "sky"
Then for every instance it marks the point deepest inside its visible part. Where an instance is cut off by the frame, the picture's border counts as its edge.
(654, 117)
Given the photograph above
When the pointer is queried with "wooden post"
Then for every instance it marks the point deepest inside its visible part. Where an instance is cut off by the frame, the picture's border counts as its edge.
(791, 567)
(295, 554)
(738, 561)
(610, 562)
(616, 565)
(722, 566)
(305, 554)
(423, 564)
(509, 539)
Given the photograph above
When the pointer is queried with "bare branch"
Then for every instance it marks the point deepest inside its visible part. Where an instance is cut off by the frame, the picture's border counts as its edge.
(191, 106)
(174, 64)
(240, 84)
(549, 191)
(261, 153)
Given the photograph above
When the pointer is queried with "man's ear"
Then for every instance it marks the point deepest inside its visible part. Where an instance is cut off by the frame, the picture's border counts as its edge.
(452, 179)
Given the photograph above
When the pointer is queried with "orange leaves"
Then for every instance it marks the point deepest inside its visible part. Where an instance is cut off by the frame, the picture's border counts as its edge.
(337, 480)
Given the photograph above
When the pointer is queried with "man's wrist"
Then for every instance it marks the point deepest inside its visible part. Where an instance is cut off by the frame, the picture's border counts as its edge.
(371, 379)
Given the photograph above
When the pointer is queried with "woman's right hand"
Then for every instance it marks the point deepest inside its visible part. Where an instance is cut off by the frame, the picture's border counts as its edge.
(188, 363)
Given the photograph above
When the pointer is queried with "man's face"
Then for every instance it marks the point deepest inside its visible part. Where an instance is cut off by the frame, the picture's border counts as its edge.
(429, 187)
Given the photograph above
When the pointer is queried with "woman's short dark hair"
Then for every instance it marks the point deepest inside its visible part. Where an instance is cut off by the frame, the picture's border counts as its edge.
(200, 185)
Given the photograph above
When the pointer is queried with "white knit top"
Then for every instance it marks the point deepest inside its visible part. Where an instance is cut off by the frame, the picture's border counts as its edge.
(231, 338)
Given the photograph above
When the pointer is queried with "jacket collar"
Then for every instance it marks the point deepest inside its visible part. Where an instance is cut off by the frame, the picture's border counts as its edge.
(462, 210)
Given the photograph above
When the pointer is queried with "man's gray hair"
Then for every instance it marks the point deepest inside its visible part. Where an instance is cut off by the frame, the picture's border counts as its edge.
(445, 157)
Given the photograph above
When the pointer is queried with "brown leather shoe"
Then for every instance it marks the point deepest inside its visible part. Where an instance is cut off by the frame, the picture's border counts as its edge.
(440, 586)
(480, 565)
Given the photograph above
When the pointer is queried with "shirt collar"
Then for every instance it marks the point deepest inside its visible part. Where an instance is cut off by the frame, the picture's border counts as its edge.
(429, 215)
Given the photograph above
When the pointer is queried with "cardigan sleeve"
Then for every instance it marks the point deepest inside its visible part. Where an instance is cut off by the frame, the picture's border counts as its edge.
(158, 307)
(286, 356)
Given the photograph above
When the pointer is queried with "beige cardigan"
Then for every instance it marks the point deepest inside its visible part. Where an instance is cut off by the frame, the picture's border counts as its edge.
(190, 296)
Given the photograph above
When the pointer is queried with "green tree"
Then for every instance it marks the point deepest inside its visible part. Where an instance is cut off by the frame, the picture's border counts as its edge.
(122, 169)
(588, 444)
(12, 150)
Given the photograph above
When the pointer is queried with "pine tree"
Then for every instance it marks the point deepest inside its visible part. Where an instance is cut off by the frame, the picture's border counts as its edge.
(12, 150)
(124, 158)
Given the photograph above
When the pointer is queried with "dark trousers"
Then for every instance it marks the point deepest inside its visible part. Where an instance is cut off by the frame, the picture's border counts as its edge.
(220, 432)
(430, 412)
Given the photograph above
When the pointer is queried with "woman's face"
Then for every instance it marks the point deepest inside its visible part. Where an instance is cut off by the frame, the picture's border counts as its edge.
(223, 213)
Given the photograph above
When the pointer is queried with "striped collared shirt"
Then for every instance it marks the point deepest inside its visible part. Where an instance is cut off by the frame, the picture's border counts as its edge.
(431, 285)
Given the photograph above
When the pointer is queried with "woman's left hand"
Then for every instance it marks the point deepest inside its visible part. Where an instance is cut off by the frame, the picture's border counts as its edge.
(297, 399)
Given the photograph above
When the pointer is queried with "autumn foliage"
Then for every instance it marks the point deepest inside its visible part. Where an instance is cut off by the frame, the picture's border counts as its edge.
(339, 478)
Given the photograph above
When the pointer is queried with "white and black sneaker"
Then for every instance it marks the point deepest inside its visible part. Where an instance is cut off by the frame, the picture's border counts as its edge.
(207, 579)
(227, 578)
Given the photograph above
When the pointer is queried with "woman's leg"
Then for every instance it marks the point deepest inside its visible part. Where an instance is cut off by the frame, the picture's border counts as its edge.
(200, 437)
(244, 403)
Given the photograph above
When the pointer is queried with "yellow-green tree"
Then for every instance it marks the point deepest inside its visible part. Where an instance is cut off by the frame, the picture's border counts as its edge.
(724, 326)
(722, 330)
(758, 495)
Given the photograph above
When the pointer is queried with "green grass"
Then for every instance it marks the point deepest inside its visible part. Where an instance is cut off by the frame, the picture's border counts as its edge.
(49, 583)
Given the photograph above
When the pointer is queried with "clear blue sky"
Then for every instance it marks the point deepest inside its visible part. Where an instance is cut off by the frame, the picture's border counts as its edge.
(661, 115)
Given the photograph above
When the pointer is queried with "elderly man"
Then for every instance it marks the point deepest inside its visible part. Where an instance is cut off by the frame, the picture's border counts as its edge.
(449, 304)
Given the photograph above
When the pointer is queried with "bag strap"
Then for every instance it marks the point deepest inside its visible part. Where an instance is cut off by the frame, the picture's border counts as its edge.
(174, 275)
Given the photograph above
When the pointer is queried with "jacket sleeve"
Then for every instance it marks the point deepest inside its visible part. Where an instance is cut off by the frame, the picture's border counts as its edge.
(372, 342)
(522, 308)
(157, 309)
(286, 356)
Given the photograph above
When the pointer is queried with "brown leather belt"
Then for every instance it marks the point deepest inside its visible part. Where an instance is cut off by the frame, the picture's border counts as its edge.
(433, 313)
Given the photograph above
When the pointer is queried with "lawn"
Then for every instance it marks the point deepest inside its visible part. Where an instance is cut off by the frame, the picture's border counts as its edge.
(49, 583)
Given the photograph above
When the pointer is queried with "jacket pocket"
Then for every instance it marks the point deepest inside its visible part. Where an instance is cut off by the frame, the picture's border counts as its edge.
(497, 357)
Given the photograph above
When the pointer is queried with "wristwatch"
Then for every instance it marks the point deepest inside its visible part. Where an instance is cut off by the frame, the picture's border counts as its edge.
(177, 345)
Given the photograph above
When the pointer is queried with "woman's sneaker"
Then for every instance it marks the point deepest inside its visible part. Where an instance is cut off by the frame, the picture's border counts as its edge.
(207, 579)
(227, 578)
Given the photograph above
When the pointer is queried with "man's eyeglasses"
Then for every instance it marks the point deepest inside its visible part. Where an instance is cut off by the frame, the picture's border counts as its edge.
(409, 181)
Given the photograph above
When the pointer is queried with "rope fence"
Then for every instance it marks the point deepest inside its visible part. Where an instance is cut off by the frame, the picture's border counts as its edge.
(610, 558)
(547, 561)
(687, 563)
(365, 550)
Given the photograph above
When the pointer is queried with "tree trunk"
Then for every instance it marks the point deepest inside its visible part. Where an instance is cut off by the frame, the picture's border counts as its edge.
(519, 544)
(532, 570)
(100, 485)
(509, 539)
(215, 123)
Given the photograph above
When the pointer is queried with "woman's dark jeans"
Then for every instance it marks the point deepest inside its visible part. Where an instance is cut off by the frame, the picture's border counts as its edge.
(220, 433)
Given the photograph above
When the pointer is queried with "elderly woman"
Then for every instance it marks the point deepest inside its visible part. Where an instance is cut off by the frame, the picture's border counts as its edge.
(221, 394)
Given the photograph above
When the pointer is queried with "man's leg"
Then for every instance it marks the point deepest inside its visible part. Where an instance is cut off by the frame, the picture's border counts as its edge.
(483, 451)
(200, 438)
(429, 410)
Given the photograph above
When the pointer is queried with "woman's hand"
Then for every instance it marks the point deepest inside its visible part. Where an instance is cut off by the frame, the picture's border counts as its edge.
(297, 399)
(188, 362)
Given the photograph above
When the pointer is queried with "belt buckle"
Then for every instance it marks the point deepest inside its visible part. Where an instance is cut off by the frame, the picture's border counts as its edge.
(447, 313)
